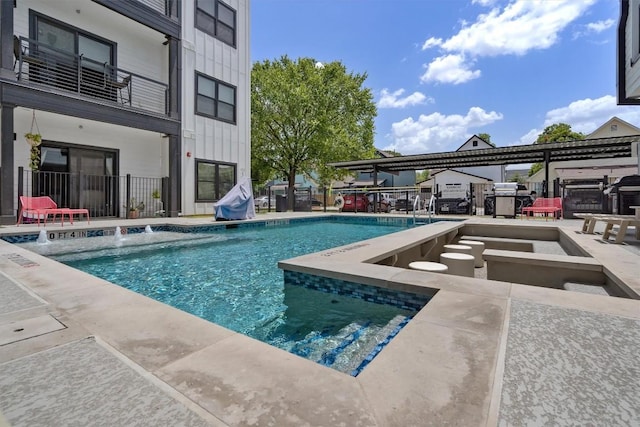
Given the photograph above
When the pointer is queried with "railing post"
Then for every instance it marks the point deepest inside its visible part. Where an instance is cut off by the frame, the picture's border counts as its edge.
(128, 194)
(20, 181)
(79, 73)
(80, 192)
(165, 194)
(406, 193)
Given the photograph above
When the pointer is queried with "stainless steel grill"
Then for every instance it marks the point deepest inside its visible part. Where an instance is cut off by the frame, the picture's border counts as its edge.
(501, 189)
(505, 199)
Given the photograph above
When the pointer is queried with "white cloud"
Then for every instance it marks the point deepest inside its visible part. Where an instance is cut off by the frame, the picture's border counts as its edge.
(436, 132)
(483, 2)
(431, 42)
(528, 138)
(585, 115)
(594, 28)
(600, 26)
(520, 27)
(395, 100)
(449, 69)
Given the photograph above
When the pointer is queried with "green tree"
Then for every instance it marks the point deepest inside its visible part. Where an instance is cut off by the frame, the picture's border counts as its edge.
(486, 138)
(392, 153)
(305, 114)
(557, 132)
(517, 178)
(422, 176)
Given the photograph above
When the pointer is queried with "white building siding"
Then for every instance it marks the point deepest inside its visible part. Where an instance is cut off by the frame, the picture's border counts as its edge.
(441, 179)
(141, 153)
(139, 48)
(215, 140)
(494, 173)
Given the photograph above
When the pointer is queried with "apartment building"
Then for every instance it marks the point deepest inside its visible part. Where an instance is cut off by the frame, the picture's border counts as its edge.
(137, 102)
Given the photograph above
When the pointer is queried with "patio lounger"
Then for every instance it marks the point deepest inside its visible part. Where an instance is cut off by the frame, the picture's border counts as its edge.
(41, 207)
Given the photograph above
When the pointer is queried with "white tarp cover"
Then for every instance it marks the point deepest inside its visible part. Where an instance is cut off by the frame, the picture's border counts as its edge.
(237, 203)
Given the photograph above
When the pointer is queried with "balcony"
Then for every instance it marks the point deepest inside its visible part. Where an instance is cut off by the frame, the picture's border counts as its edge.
(39, 64)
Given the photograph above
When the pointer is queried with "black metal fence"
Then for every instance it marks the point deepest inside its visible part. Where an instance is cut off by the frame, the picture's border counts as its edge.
(104, 195)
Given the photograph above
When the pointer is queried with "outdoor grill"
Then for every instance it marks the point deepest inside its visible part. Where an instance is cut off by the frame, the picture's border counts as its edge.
(505, 199)
(624, 193)
(583, 196)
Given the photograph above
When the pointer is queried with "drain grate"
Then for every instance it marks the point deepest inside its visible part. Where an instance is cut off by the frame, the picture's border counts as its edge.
(20, 260)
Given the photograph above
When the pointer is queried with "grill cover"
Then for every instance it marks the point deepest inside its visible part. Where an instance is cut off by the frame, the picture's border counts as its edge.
(237, 203)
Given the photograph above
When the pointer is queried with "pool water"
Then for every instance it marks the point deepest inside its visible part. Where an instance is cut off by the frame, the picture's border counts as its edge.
(231, 278)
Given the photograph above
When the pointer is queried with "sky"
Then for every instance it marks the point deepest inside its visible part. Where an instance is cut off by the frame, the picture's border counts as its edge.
(442, 71)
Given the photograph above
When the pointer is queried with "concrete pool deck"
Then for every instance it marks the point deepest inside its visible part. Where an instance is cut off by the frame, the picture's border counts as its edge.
(74, 348)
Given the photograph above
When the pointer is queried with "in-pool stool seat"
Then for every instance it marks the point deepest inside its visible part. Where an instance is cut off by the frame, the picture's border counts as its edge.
(433, 267)
(477, 248)
(458, 264)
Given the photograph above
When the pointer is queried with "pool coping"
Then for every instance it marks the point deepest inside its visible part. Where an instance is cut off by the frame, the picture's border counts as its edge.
(443, 367)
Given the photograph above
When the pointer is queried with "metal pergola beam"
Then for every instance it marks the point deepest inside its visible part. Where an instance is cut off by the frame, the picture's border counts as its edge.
(534, 153)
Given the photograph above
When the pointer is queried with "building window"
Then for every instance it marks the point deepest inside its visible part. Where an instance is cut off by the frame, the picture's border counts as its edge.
(475, 143)
(614, 128)
(213, 180)
(215, 99)
(217, 19)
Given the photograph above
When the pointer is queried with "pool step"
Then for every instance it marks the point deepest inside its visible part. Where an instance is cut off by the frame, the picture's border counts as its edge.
(351, 348)
(358, 349)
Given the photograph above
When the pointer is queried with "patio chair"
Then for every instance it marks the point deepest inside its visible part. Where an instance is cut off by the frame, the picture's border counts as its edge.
(20, 51)
(40, 207)
(120, 85)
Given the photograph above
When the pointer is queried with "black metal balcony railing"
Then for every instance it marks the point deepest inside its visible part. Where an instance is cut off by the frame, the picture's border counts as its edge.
(161, 6)
(103, 195)
(39, 63)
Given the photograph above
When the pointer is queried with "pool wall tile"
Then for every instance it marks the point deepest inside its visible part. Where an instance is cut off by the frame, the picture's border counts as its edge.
(403, 300)
(221, 226)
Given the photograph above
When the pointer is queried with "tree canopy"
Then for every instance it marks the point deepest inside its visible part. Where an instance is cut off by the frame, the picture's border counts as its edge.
(486, 138)
(557, 132)
(423, 175)
(305, 114)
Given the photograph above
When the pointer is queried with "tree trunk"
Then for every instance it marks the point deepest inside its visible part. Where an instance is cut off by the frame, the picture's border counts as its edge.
(291, 190)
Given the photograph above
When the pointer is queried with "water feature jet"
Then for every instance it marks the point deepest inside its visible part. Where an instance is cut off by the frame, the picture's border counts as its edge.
(42, 238)
(148, 229)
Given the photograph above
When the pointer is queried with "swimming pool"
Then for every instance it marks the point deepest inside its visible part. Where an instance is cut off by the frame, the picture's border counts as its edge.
(230, 277)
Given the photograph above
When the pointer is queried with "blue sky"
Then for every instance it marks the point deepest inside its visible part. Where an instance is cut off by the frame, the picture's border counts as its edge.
(444, 70)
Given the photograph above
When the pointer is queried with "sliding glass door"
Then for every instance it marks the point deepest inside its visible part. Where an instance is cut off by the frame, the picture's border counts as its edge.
(79, 177)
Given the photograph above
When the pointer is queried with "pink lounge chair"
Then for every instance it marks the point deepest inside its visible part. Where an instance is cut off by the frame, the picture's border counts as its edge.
(41, 207)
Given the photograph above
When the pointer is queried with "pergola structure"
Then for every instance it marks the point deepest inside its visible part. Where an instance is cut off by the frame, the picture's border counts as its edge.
(621, 146)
